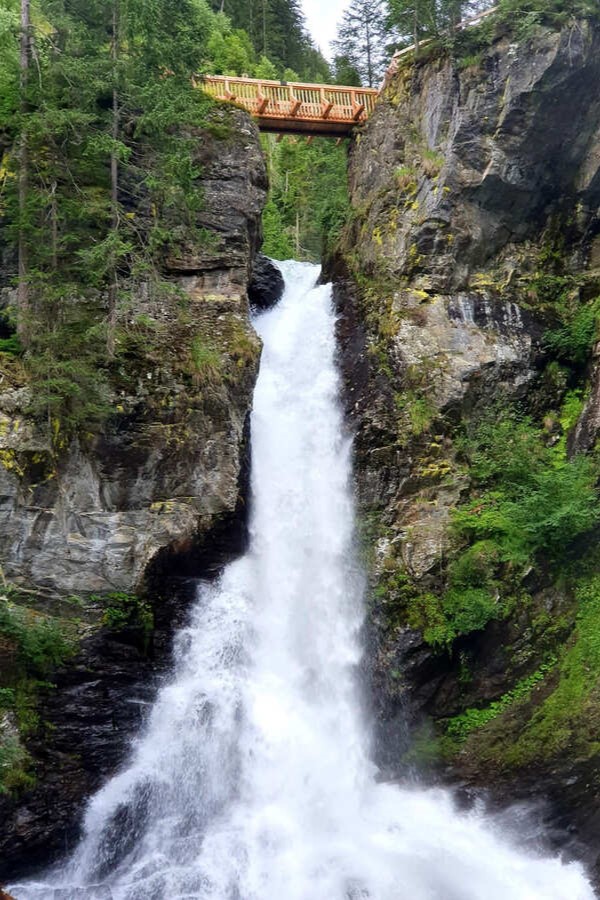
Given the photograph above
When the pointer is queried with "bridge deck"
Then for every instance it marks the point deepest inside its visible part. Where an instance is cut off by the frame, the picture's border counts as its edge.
(294, 108)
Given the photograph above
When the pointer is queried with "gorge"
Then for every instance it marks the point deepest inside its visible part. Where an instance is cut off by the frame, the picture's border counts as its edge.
(400, 593)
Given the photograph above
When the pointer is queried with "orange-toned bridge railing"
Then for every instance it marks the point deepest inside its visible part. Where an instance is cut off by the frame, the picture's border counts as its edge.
(295, 108)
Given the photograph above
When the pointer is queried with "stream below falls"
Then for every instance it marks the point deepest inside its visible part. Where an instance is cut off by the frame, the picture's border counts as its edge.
(252, 777)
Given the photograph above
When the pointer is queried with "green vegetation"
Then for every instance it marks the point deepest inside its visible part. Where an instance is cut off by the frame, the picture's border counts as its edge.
(529, 498)
(460, 727)
(414, 21)
(275, 31)
(521, 729)
(418, 412)
(308, 202)
(32, 645)
(205, 360)
(568, 718)
(573, 339)
(102, 130)
(127, 611)
(39, 641)
(528, 502)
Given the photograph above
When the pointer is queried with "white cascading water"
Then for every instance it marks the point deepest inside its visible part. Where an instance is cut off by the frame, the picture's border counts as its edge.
(252, 779)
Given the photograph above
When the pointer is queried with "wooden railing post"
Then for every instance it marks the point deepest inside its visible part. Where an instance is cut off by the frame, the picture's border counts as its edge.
(295, 103)
(228, 94)
(326, 105)
(357, 108)
(263, 101)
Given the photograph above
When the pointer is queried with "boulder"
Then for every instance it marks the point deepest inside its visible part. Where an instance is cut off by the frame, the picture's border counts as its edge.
(267, 285)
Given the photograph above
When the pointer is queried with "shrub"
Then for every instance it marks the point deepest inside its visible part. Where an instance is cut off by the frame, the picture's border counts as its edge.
(530, 498)
(123, 610)
(572, 341)
(14, 764)
(460, 727)
(41, 642)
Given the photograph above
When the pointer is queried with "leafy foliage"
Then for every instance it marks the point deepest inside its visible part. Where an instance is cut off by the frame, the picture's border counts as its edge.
(40, 641)
(530, 498)
(308, 202)
(124, 610)
(573, 340)
(277, 33)
(460, 727)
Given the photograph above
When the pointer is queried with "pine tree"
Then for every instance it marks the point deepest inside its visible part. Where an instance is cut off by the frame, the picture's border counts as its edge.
(416, 20)
(278, 32)
(362, 39)
(23, 157)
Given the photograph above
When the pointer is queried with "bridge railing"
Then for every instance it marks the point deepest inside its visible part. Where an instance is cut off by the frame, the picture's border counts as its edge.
(289, 100)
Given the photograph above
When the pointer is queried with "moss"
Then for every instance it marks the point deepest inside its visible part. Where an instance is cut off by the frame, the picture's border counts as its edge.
(205, 361)
(568, 720)
(418, 413)
(10, 461)
(460, 727)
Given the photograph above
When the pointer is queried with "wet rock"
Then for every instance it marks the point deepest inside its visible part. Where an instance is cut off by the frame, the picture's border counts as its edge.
(266, 286)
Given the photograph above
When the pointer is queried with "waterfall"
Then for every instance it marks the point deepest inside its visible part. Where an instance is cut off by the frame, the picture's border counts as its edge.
(252, 778)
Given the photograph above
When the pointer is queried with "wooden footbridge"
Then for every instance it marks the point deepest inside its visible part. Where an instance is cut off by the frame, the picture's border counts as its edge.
(292, 108)
(286, 107)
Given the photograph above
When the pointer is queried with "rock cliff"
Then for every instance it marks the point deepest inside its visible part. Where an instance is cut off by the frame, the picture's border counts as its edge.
(91, 518)
(91, 529)
(470, 262)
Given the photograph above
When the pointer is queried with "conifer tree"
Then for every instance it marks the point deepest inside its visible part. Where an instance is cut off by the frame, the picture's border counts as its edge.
(362, 39)
(23, 253)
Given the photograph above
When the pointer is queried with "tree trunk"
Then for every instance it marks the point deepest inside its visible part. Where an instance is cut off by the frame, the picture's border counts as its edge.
(113, 289)
(23, 261)
(369, 53)
(416, 31)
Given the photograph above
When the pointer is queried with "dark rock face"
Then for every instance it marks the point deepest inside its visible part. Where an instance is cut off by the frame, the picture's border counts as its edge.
(98, 703)
(455, 167)
(459, 183)
(267, 284)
